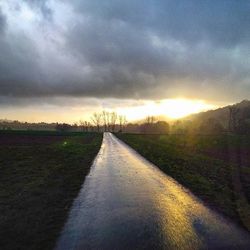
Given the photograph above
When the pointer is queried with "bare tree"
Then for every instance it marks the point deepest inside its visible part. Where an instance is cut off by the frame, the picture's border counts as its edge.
(148, 126)
(104, 119)
(113, 118)
(150, 120)
(122, 122)
(81, 125)
(96, 118)
(87, 126)
(108, 116)
(84, 125)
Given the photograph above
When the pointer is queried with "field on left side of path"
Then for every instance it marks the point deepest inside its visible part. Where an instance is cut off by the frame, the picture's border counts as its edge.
(41, 174)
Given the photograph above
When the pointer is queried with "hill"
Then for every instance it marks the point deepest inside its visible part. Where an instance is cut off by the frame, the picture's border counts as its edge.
(222, 115)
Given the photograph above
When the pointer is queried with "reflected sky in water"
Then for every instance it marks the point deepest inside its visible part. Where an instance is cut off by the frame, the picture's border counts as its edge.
(127, 203)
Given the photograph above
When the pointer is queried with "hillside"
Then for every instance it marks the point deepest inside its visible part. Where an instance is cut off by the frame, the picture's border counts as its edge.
(222, 114)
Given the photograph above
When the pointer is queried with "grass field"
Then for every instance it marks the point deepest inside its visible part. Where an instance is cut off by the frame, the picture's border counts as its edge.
(41, 174)
(215, 167)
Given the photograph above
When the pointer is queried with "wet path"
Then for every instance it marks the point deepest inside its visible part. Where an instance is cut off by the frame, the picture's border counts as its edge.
(127, 203)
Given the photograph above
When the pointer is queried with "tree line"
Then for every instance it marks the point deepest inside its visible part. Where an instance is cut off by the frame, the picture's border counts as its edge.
(99, 122)
(112, 122)
(236, 121)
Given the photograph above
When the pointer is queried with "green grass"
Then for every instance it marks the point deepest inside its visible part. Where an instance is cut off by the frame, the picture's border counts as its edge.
(196, 162)
(38, 183)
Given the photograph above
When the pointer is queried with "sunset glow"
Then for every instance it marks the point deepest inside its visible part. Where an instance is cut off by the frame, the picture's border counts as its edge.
(170, 108)
(128, 116)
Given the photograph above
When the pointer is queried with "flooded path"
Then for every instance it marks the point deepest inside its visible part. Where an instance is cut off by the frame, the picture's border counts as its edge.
(128, 203)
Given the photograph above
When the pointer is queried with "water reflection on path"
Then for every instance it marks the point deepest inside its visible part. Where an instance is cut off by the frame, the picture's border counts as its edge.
(127, 203)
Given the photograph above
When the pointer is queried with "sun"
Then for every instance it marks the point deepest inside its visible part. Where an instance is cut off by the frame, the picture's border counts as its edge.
(170, 108)
(178, 108)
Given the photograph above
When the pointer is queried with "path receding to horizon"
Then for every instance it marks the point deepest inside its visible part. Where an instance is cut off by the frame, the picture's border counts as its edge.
(128, 203)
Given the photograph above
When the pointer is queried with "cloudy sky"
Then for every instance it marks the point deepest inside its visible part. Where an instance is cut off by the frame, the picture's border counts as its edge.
(62, 60)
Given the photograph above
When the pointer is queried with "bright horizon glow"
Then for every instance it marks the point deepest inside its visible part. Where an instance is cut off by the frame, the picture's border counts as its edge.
(170, 108)
(134, 110)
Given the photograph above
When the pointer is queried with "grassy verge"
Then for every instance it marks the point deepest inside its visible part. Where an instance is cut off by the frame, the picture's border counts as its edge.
(41, 174)
(197, 163)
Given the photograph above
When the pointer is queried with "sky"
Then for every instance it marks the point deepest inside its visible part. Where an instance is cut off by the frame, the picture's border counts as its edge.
(63, 60)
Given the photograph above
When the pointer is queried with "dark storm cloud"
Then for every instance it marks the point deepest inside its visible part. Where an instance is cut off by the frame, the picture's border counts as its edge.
(2, 22)
(129, 49)
(222, 22)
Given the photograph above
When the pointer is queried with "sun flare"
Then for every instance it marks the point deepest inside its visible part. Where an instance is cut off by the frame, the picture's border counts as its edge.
(170, 108)
(178, 108)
